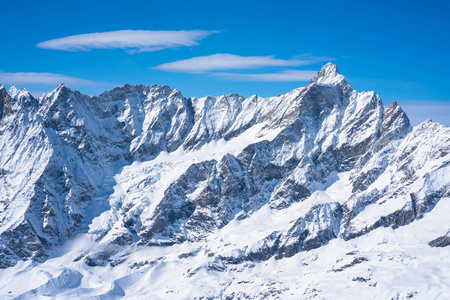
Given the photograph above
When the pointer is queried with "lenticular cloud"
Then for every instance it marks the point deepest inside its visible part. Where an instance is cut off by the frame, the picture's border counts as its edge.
(282, 76)
(45, 79)
(132, 40)
(226, 61)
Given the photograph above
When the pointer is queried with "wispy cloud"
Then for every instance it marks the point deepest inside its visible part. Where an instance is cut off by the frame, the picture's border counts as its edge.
(132, 40)
(283, 76)
(46, 79)
(226, 61)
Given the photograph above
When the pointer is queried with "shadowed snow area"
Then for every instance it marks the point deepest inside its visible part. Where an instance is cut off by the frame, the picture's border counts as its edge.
(323, 192)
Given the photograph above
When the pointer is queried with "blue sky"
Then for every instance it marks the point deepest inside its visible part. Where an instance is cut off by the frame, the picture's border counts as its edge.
(400, 49)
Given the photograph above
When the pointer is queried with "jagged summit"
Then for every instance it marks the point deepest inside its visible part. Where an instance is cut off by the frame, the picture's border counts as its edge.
(305, 182)
(329, 69)
(16, 93)
(61, 86)
(328, 75)
(12, 89)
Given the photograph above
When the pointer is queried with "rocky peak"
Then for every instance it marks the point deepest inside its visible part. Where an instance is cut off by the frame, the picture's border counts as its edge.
(15, 99)
(395, 114)
(60, 86)
(160, 90)
(60, 92)
(16, 94)
(13, 90)
(395, 125)
(328, 75)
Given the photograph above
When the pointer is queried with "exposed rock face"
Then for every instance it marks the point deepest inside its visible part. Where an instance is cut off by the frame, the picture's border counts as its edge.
(442, 241)
(142, 165)
(311, 231)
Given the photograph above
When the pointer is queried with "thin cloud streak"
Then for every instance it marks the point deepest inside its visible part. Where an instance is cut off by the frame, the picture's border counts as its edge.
(226, 61)
(131, 40)
(283, 76)
(46, 79)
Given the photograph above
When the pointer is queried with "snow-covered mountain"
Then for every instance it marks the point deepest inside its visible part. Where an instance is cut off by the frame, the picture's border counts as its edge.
(141, 193)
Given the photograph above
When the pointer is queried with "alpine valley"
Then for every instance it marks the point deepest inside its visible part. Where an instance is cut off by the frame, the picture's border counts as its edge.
(140, 193)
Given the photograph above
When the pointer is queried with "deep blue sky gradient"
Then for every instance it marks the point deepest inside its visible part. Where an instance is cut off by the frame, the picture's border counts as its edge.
(400, 49)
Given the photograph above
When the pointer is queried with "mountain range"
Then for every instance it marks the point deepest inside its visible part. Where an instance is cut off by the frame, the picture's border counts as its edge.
(139, 192)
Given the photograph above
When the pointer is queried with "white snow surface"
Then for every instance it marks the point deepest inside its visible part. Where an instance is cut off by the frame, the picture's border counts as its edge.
(395, 263)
